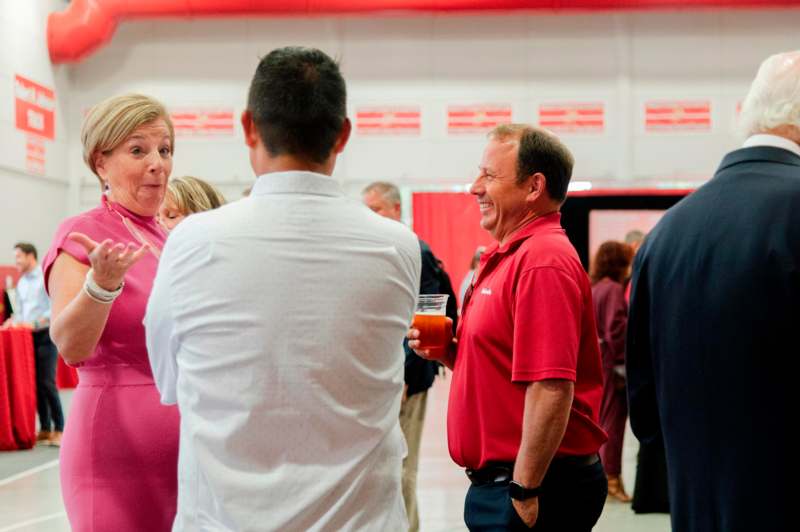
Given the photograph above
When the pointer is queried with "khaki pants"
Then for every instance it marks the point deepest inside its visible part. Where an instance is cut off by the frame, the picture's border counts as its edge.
(412, 418)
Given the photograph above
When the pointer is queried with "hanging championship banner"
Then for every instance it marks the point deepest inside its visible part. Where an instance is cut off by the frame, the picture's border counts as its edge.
(677, 116)
(34, 107)
(388, 120)
(35, 155)
(572, 117)
(203, 122)
(476, 118)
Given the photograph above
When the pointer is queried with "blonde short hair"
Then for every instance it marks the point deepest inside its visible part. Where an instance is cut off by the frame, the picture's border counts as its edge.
(111, 121)
(192, 195)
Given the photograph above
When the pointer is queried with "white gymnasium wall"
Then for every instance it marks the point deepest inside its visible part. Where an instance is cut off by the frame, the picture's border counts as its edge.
(31, 202)
(620, 59)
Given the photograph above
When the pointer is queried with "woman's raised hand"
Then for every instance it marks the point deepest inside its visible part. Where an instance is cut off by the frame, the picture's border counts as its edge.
(110, 261)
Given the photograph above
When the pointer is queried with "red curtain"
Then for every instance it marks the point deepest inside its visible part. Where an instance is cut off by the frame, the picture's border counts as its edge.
(17, 390)
(66, 376)
(5, 271)
(450, 223)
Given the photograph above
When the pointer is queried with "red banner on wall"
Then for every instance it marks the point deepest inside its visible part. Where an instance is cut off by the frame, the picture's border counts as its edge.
(476, 118)
(572, 117)
(450, 223)
(34, 107)
(35, 155)
(203, 122)
(677, 116)
(388, 120)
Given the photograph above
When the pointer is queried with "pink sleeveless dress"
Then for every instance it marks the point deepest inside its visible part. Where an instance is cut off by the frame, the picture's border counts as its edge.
(119, 453)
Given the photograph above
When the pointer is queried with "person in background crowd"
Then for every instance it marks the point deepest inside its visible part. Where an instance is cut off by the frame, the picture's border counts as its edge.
(5, 307)
(527, 376)
(187, 195)
(384, 199)
(120, 451)
(473, 266)
(276, 324)
(33, 307)
(610, 269)
(634, 239)
(713, 323)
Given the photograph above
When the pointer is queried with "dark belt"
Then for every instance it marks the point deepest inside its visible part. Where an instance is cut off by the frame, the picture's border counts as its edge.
(500, 472)
(42, 335)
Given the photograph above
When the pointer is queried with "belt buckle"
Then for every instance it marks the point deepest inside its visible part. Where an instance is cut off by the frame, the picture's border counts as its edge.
(501, 476)
(489, 475)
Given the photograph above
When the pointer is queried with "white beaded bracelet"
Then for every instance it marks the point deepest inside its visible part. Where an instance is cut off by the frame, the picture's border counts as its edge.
(98, 293)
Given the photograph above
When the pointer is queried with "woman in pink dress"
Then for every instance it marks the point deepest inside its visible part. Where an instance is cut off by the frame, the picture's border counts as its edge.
(119, 454)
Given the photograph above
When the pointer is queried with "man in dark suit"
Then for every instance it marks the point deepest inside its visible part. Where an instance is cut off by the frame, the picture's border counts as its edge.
(711, 354)
(384, 199)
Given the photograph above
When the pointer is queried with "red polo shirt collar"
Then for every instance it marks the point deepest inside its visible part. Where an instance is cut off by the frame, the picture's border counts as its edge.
(526, 231)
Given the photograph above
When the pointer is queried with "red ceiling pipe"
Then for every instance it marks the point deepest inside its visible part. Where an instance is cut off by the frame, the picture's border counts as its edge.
(86, 25)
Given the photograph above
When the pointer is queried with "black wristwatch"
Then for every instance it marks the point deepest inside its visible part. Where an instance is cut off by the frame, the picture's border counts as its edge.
(520, 493)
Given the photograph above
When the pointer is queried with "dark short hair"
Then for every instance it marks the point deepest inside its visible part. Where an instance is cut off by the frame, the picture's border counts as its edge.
(540, 151)
(612, 260)
(27, 248)
(298, 101)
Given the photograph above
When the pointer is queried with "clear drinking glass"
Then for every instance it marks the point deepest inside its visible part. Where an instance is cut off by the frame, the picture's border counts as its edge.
(431, 320)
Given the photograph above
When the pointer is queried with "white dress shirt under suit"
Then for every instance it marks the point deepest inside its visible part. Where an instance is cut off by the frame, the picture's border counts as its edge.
(276, 323)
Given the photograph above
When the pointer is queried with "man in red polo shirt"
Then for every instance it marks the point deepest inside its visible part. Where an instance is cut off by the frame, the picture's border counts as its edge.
(527, 378)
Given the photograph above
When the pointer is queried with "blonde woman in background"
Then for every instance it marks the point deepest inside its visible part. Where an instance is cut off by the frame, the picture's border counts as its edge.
(187, 195)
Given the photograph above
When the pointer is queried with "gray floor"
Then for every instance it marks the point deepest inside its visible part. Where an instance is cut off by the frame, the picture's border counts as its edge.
(30, 495)
(12, 464)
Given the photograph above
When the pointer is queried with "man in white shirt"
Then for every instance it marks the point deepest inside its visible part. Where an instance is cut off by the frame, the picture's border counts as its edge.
(276, 323)
(33, 312)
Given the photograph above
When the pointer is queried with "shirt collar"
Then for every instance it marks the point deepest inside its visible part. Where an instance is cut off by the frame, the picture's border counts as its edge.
(546, 221)
(775, 141)
(296, 182)
(34, 273)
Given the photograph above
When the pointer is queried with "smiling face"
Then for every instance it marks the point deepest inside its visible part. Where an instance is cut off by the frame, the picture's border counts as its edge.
(24, 261)
(502, 201)
(136, 171)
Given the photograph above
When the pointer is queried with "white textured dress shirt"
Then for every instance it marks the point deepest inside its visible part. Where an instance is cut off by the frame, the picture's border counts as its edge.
(276, 323)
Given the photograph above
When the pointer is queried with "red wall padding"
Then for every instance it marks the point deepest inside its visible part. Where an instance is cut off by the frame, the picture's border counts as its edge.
(450, 223)
(87, 24)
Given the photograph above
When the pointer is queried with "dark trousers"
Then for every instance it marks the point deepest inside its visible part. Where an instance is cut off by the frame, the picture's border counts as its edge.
(572, 500)
(51, 417)
(651, 492)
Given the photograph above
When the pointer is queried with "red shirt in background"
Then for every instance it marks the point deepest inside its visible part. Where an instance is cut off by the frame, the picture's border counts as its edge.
(529, 318)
